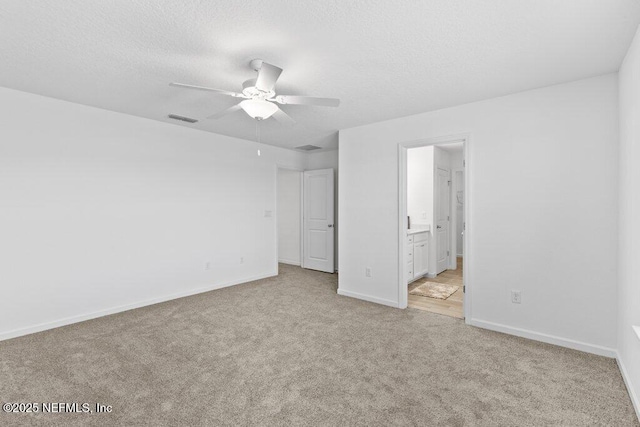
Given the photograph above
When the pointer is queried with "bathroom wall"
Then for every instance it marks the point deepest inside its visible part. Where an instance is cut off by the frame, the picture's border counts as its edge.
(420, 185)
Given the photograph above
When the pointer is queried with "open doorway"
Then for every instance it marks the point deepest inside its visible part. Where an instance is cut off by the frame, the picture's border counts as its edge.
(305, 218)
(433, 225)
(289, 216)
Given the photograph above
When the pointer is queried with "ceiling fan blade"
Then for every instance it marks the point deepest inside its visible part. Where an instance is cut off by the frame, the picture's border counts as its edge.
(267, 77)
(307, 100)
(283, 118)
(208, 89)
(229, 110)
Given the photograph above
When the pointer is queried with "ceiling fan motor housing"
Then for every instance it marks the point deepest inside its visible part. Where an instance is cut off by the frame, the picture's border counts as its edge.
(256, 64)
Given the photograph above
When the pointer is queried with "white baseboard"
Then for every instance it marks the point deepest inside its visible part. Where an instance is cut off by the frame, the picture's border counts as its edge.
(88, 316)
(368, 298)
(632, 393)
(290, 262)
(549, 339)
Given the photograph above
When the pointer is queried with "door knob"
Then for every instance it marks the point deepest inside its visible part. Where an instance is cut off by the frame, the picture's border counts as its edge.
(330, 225)
(438, 227)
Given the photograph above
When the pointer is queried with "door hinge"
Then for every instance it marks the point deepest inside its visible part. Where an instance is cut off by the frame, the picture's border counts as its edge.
(447, 217)
(447, 253)
(464, 163)
(464, 289)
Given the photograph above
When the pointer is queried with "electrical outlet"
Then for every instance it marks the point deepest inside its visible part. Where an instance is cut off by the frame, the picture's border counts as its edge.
(367, 272)
(207, 265)
(516, 297)
(241, 260)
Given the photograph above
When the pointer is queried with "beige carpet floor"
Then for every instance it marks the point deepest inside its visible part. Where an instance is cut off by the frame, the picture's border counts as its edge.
(290, 351)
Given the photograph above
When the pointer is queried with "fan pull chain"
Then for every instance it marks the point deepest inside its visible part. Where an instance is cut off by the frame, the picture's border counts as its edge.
(258, 134)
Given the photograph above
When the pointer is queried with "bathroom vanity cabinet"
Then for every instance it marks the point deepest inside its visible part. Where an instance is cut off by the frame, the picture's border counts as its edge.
(417, 254)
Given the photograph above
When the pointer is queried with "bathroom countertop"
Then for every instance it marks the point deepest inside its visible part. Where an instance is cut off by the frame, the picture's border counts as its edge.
(418, 230)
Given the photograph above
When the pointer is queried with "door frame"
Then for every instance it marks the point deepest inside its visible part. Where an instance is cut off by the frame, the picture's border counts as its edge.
(403, 291)
(300, 173)
(454, 214)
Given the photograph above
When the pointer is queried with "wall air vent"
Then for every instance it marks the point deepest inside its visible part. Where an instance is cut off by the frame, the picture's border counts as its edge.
(182, 118)
(308, 148)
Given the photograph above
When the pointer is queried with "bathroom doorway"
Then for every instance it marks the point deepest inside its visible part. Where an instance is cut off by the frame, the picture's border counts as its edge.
(432, 234)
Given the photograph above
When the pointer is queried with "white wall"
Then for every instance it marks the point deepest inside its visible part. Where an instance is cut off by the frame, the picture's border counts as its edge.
(629, 225)
(543, 224)
(326, 160)
(101, 211)
(457, 157)
(420, 186)
(322, 160)
(289, 205)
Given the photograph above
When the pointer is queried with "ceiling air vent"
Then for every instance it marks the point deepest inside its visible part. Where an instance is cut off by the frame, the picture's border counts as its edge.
(182, 118)
(308, 148)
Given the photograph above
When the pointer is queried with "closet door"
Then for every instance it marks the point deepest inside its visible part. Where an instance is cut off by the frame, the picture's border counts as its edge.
(318, 228)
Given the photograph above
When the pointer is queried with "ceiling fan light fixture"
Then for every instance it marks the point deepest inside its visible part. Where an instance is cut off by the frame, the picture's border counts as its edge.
(258, 109)
(260, 97)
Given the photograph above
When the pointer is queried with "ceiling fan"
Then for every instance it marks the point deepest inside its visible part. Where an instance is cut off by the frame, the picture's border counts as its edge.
(259, 96)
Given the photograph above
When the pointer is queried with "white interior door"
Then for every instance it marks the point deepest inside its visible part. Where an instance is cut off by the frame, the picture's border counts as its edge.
(459, 206)
(318, 230)
(443, 214)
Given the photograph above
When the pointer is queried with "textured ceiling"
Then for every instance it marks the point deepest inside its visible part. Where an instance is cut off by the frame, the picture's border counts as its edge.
(383, 59)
